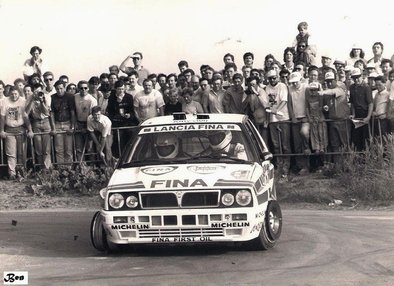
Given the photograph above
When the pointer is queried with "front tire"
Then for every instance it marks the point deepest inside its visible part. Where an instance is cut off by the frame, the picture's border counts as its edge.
(271, 228)
(98, 235)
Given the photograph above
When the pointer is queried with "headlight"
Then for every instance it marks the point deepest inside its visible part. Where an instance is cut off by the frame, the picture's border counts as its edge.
(227, 199)
(116, 201)
(243, 198)
(131, 202)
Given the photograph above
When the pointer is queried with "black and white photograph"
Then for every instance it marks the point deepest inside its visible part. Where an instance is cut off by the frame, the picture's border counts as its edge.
(196, 142)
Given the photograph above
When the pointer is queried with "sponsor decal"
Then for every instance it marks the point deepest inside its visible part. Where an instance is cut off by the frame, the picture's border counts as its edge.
(205, 169)
(130, 226)
(156, 171)
(257, 227)
(178, 183)
(240, 174)
(181, 239)
(260, 214)
(189, 127)
(230, 224)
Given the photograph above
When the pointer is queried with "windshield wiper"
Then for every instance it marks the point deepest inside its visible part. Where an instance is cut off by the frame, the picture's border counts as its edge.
(217, 156)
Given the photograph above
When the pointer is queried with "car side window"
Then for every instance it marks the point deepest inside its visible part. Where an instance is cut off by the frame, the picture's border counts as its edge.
(254, 135)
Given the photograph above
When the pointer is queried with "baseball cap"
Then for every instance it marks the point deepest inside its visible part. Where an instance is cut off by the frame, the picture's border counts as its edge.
(326, 55)
(294, 77)
(329, 75)
(348, 68)
(373, 75)
(339, 62)
(356, 46)
(271, 73)
(313, 85)
(137, 55)
(371, 66)
(356, 72)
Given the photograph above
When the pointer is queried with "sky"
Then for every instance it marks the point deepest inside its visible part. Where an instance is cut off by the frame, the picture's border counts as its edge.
(82, 38)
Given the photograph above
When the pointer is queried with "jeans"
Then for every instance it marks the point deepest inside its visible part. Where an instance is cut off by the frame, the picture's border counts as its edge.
(280, 136)
(15, 148)
(63, 143)
(42, 143)
(300, 132)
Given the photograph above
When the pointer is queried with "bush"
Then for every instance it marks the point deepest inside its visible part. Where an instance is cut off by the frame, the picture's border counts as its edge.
(369, 176)
(85, 180)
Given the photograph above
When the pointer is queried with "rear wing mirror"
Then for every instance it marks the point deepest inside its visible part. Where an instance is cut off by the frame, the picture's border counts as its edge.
(267, 156)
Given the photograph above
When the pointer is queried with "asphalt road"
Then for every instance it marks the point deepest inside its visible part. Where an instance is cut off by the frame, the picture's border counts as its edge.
(316, 248)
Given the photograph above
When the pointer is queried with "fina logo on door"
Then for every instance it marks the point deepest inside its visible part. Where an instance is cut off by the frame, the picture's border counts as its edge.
(156, 171)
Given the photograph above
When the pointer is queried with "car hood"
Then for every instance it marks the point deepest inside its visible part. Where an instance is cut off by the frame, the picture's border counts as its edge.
(185, 176)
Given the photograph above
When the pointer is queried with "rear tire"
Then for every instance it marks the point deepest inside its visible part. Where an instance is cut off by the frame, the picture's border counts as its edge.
(271, 228)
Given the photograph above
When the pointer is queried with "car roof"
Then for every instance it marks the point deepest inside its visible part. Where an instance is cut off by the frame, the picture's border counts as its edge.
(195, 118)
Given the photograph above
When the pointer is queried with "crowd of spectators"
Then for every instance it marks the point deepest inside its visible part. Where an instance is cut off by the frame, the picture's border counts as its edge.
(298, 105)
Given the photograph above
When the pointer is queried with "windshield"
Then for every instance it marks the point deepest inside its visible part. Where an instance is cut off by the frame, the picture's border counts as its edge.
(190, 143)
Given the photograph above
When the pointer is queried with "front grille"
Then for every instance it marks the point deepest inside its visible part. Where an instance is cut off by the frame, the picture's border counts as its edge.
(179, 199)
(158, 200)
(180, 232)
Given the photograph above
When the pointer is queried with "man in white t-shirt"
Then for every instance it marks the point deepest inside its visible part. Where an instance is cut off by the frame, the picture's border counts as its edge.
(13, 121)
(99, 124)
(84, 102)
(149, 102)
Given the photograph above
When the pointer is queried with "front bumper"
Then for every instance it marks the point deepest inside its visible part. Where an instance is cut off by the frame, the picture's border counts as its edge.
(183, 225)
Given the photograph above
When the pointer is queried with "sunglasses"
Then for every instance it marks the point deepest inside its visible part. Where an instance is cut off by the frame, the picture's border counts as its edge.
(48, 79)
(272, 78)
(298, 69)
(83, 87)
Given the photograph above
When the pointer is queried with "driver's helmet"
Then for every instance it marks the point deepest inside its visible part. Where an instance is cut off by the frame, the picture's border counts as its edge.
(167, 145)
(220, 139)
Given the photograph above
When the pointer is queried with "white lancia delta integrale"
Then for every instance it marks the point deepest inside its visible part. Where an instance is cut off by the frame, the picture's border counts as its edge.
(191, 179)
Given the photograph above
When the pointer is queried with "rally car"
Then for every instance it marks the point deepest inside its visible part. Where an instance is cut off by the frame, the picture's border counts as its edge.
(204, 178)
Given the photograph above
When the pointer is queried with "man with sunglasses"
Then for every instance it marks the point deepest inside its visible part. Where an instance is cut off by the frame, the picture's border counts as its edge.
(48, 81)
(279, 125)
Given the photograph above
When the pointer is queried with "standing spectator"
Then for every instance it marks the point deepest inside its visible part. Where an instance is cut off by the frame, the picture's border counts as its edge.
(301, 55)
(229, 71)
(377, 50)
(279, 126)
(162, 81)
(248, 59)
(114, 69)
(188, 73)
(99, 127)
(205, 89)
(34, 65)
(13, 121)
(246, 72)
(137, 61)
(300, 125)
(190, 106)
(315, 116)
(171, 83)
(173, 104)
(120, 110)
(233, 100)
(216, 95)
(356, 54)
(183, 65)
(326, 67)
(386, 67)
(380, 107)
(84, 103)
(257, 101)
(49, 81)
(148, 103)
(284, 75)
(94, 91)
(63, 116)
(71, 88)
(288, 58)
(361, 107)
(64, 79)
(39, 108)
(104, 77)
(112, 78)
(337, 108)
(134, 86)
(19, 84)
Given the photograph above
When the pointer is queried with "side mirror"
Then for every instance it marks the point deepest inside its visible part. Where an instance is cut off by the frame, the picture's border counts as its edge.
(267, 156)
